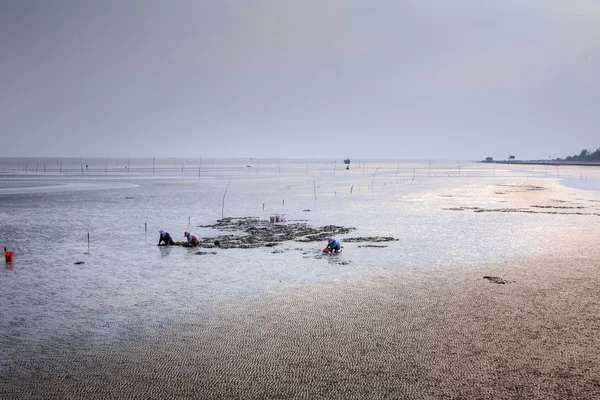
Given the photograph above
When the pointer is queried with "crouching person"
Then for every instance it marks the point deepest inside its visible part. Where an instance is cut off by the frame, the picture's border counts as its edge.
(165, 238)
(333, 246)
(192, 240)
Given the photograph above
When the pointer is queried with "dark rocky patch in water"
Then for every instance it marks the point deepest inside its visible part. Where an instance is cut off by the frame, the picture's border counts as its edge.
(496, 279)
(559, 207)
(252, 232)
(522, 210)
(525, 188)
(371, 239)
(202, 253)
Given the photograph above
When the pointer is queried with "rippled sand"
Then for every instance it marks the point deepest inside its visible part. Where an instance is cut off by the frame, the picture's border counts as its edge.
(437, 334)
(420, 333)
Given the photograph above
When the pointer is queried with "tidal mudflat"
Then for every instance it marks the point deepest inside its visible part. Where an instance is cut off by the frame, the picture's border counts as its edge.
(478, 285)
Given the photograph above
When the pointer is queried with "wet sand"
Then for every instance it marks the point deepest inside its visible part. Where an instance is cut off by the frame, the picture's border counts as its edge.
(530, 330)
(420, 334)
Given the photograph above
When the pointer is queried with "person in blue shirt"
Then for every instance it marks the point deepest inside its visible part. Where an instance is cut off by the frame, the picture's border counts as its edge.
(165, 237)
(333, 246)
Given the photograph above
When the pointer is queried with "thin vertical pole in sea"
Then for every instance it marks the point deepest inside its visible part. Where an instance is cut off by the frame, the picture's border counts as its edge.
(225, 194)
(373, 180)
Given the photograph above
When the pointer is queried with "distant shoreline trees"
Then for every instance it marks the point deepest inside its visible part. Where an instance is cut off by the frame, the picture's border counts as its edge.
(585, 155)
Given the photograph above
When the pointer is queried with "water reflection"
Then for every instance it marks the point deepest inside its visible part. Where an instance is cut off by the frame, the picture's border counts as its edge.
(165, 250)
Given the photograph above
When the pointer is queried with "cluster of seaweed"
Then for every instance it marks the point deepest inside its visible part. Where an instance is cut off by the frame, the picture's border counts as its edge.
(252, 232)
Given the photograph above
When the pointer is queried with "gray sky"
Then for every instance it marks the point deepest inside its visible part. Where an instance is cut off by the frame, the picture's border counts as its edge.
(408, 79)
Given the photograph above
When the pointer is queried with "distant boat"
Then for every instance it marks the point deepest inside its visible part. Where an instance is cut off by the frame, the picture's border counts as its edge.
(347, 161)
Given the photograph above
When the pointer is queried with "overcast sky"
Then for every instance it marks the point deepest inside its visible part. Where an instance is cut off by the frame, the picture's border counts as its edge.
(400, 79)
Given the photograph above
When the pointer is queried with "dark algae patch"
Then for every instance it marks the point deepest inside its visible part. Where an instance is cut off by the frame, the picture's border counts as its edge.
(252, 232)
(497, 280)
(371, 239)
(203, 253)
(535, 210)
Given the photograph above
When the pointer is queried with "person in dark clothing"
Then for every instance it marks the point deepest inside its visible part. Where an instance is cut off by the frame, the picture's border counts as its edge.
(165, 237)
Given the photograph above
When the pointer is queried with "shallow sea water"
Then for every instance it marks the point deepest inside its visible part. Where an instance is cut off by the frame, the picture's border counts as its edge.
(128, 287)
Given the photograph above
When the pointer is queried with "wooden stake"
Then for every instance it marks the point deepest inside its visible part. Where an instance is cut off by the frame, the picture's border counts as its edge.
(225, 194)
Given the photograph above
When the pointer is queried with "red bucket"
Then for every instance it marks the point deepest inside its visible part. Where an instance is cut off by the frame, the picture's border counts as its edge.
(9, 256)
